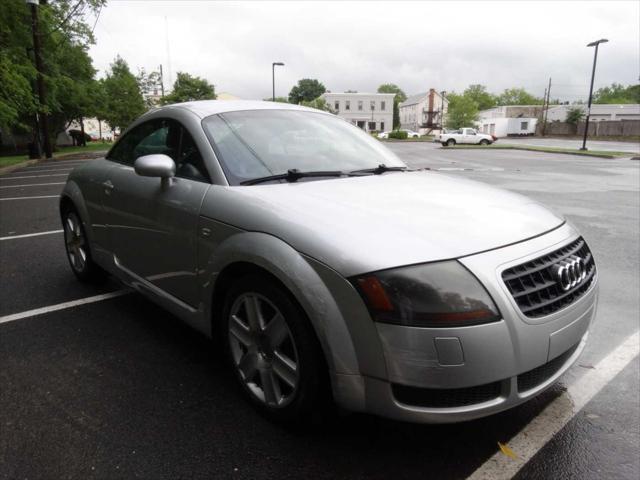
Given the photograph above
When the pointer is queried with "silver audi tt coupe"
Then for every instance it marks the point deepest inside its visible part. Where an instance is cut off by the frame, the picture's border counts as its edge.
(326, 268)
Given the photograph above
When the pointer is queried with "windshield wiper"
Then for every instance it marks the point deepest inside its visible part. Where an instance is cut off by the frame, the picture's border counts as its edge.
(293, 175)
(380, 169)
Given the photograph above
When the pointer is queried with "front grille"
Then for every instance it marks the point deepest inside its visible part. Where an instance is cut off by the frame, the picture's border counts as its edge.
(534, 287)
(446, 397)
(539, 375)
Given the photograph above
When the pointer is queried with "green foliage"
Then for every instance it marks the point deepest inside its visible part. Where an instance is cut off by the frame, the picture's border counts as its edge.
(68, 75)
(307, 89)
(278, 99)
(479, 94)
(463, 111)
(398, 134)
(318, 103)
(574, 115)
(517, 96)
(617, 93)
(400, 97)
(123, 100)
(188, 88)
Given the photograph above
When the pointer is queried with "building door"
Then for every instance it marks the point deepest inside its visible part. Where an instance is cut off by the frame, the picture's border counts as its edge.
(361, 124)
(372, 126)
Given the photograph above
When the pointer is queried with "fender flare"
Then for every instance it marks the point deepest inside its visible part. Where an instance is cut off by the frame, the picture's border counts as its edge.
(293, 270)
(73, 193)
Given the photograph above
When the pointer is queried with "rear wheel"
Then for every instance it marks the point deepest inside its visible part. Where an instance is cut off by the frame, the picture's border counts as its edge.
(484, 142)
(273, 350)
(77, 248)
(451, 142)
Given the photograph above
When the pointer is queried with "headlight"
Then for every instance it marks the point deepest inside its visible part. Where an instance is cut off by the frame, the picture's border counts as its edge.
(443, 294)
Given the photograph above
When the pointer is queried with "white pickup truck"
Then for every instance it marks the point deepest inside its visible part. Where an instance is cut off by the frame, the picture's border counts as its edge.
(465, 135)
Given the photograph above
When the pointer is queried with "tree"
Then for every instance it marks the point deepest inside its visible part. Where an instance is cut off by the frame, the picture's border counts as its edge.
(149, 84)
(68, 72)
(400, 97)
(517, 96)
(278, 99)
(479, 94)
(307, 89)
(574, 115)
(463, 111)
(188, 88)
(617, 93)
(124, 102)
(318, 103)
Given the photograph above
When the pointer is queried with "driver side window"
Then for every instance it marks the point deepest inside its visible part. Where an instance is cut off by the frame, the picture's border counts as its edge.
(166, 137)
(155, 136)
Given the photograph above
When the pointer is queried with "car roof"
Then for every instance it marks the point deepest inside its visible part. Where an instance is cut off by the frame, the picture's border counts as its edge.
(204, 108)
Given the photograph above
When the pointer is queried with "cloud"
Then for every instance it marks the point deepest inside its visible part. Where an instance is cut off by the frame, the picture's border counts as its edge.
(358, 45)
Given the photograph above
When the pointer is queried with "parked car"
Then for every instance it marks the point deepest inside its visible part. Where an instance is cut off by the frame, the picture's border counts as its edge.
(323, 266)
(410, 134)
(465, 136)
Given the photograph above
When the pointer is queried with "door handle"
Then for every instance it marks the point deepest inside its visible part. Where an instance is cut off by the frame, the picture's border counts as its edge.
(108, 186)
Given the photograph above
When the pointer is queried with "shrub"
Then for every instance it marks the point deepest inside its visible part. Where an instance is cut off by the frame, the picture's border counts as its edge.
(398, 134)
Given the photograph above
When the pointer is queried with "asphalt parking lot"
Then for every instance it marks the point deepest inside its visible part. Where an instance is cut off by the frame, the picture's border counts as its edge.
(118, 388)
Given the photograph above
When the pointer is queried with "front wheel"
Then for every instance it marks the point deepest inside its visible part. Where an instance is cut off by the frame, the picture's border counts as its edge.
(484, 142)
(273, 351)
(77, 248)
(451, 142)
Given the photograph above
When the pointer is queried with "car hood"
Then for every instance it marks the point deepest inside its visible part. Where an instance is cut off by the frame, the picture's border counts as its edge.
(363, 224)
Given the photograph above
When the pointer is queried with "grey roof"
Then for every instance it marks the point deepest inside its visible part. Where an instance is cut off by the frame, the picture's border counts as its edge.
(413, 99)
(204, 108)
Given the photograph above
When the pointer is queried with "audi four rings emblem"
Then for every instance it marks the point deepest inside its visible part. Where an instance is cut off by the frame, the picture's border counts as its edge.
(570, 272)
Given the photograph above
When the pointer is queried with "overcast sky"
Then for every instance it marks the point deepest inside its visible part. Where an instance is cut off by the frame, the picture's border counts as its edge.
(359, 45)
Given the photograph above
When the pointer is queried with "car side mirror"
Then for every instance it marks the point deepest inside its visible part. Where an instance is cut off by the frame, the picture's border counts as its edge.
(156, 165)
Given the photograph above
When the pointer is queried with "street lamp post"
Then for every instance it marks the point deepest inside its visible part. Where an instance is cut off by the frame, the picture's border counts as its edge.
(273, 78)
(593, 74)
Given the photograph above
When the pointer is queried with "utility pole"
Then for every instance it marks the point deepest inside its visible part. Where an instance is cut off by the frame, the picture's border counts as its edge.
(544, 101)
(273, 79)
(161, 82)
(593, 75)
(545, 111)
(42, 93)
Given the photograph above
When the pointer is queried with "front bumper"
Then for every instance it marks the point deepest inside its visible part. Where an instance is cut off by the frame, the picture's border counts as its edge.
(437, 375)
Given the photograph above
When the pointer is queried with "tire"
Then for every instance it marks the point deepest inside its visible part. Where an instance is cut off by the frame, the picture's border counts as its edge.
(451, 142)
(77, 249)
(484, 142)
(279, 366)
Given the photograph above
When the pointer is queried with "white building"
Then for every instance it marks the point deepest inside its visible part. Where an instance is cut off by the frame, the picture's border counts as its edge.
(372, 112)
(599, 112)
(510, 120)
(423, 112)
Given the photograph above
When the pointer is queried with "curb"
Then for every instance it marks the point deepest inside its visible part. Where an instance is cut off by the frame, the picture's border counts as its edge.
(524, 149)
(27, 163)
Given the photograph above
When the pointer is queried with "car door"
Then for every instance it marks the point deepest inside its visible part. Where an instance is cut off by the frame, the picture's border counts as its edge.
(470, 136)
(153, 224)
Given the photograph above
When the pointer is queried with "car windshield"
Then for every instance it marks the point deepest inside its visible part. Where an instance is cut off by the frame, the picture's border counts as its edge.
(253, 144)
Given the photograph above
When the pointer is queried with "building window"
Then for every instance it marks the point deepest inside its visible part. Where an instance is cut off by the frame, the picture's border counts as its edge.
(372, 126)
(524, 125)
(382, 124)
(347, 105)
(359, 104)
(361, 124)
(336, 104)
(372, 105)
(383, 105)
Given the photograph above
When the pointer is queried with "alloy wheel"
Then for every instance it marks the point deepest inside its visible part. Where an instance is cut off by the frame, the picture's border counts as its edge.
(263, 350)
(75, 242)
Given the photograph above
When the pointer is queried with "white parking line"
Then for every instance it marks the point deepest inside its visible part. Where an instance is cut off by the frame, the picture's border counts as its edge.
(31, 185)
(558, 413)
(62, 306)
(28, 198)
(36, 176)
(27, 235)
